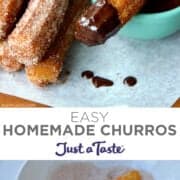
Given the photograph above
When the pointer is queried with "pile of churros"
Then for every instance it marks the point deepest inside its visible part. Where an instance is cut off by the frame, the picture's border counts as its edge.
(35, 35)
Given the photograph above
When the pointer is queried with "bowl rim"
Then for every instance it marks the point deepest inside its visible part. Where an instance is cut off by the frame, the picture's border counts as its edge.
(167, 12)
(22, 166)
(163, 13)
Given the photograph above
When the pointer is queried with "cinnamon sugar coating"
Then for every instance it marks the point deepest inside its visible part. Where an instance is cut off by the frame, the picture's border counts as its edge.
(9, 11)
(47, 71)
(36, 30)
(131, 175)
(7, 62)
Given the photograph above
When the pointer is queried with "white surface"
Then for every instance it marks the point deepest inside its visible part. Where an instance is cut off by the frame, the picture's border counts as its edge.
(160, 170)
(156, 64)
(38, 138)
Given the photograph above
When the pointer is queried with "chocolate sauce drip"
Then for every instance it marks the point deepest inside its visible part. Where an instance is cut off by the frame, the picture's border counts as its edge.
(87, 74)
(101, 82)
(130, 81)
(96, 80)
(19, 15)
(97, 24)
(160, 5)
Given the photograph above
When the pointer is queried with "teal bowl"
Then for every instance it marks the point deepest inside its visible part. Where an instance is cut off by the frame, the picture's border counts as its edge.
(149, 26)
(153, 26)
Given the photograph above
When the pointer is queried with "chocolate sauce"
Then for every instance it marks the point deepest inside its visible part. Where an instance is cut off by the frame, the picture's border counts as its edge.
(87, 74)
(97, 80)
(97, 24)
(130, 81)
(101, 82)
(160, 5)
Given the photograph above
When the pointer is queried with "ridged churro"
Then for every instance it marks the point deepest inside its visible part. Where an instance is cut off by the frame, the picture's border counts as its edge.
(36, 30)
(7, 62)
(9, 13)
(47, 71)
(127, 8)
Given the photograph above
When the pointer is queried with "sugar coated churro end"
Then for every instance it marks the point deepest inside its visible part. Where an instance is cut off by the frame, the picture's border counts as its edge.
(127, 8)
(131, 175)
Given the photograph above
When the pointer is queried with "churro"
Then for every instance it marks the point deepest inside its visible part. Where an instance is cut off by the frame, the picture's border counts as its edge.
(97, 23)
(47, 71)
(131, 175)
(36, 30)
(127, 8)
(7, 62)
(9, 13)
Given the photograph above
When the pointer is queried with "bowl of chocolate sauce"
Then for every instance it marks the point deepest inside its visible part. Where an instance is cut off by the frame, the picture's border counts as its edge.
(157, 20)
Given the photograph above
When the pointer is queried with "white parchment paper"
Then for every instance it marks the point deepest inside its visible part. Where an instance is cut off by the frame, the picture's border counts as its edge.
(156, 64)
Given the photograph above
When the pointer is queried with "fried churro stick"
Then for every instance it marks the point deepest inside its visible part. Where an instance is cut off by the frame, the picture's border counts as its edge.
(7, 62)
(48, 70)
(131, 175)
(9, 12)
(36, 30)
(127, 8)
(104, 18)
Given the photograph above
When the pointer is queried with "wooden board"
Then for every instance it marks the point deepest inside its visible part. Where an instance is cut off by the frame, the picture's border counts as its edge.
(177, 103)
(12, 101)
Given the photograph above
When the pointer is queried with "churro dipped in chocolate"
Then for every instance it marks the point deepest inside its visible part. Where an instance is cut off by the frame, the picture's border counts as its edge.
(9, 13)
(104, 18)
(36, 30)
(127, 8)
(48, 70)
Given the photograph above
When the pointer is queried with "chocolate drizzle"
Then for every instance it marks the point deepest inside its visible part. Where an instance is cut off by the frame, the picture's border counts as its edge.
(101, 82)
(87, 74)
(130, 81)
(97, 80)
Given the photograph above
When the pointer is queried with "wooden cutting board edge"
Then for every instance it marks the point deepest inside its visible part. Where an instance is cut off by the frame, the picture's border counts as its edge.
(13, 101)
(8, 101)
(177, 104)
